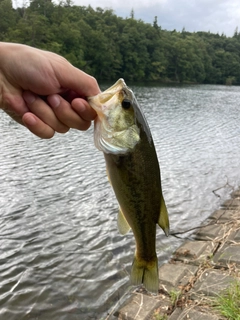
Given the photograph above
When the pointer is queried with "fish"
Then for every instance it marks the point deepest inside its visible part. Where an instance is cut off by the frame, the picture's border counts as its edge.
(122, 133)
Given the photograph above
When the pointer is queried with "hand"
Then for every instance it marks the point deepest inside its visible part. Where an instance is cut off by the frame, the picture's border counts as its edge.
(43, 91)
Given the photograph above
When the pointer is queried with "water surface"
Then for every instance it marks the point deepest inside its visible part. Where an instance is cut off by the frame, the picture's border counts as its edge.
(61, 255)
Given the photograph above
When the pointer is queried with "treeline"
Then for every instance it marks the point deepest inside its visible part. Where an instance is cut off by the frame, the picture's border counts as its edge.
(109, 47)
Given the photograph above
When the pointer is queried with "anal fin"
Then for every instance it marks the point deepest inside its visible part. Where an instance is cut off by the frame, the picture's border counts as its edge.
(163, 220)
(122, 223)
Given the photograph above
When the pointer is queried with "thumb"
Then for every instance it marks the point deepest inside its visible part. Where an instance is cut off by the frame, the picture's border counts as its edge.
(78, 81)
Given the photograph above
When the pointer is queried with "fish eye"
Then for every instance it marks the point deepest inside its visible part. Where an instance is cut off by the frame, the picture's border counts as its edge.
(126, 104)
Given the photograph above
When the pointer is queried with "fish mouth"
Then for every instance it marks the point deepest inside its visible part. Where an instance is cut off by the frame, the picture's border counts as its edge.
(115, 88)
(97, 102)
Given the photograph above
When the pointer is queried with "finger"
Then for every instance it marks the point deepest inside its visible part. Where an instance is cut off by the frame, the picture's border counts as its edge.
(14, 105)
(83, 108)
(66, 114)
(37, 126)
(40, 108)
(77, 80)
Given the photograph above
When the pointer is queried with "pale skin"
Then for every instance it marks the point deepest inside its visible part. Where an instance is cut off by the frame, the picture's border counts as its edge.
(43, 91)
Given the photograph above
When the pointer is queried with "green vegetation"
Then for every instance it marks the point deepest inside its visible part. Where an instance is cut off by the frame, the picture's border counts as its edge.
(159, 317)
(174, 296)
(109, 47)
(228, 303)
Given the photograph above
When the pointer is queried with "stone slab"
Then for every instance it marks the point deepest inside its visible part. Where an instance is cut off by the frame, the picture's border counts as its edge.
(175, 275)
(209, 232)
(192, 314)
(236, 194)
(237, 236)
(137, 307)
(194, 252)
(225, 215)
(227, 255)
(211, 283)
(232, 203)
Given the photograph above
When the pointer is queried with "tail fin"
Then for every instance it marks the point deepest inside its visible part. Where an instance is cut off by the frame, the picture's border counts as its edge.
(145, 272)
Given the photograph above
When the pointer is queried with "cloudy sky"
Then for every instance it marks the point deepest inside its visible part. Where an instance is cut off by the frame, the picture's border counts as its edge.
(202, 15)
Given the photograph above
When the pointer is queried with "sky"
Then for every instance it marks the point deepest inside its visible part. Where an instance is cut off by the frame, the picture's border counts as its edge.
(216, 16)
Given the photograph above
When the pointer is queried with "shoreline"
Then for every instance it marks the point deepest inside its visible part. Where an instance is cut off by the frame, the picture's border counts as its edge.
(199, 270)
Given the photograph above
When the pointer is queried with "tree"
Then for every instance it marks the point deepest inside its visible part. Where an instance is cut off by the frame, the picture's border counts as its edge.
(108, 46)
(132, 14)
(8, 17)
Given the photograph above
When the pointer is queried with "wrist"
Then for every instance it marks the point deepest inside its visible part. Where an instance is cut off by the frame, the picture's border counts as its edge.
(6, 51)
(2, 49)
(3, 53)
(7, 60)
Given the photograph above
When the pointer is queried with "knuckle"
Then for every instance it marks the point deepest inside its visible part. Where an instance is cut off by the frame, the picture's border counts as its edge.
(95, 83)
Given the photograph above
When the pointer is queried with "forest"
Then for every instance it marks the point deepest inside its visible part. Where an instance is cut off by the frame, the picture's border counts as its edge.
(109, 47)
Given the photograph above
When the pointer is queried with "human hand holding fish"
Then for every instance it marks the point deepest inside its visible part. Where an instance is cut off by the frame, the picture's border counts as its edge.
(43, 91)
(123, 135)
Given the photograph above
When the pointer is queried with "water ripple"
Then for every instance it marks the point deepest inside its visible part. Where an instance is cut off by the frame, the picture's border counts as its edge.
(61, 256)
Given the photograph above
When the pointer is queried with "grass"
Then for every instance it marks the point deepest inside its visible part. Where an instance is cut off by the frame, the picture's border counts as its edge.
(174, 296)
(160, 317)
(228, 303)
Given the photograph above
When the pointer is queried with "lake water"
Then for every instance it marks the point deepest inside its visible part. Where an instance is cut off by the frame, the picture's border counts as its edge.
(61, 255)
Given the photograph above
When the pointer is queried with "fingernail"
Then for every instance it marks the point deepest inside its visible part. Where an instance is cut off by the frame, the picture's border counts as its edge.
(29, 119)
(29, 97)
(54, 101)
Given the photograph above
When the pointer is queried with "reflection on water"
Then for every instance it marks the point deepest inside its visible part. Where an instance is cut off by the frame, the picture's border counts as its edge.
(61, 255)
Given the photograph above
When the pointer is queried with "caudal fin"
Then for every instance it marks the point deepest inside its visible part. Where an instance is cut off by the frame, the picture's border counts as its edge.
(145, 272)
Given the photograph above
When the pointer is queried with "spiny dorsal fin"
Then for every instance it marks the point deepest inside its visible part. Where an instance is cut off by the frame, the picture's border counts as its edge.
(163, 220)
(122, 223)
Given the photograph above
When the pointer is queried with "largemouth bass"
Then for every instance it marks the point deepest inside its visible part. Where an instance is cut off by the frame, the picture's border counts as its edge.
(123, 135)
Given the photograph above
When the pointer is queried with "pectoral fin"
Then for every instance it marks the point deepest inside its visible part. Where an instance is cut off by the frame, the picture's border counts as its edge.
(163, 221)
(122, 223)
